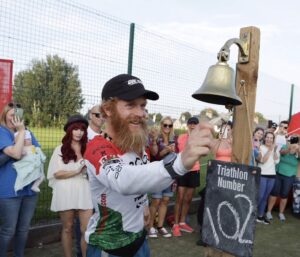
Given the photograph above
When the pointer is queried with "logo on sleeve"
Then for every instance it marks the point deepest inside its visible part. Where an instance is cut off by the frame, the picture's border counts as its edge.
(113, 165)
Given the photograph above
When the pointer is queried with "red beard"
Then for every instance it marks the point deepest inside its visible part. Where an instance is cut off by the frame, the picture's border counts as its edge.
(124, 138)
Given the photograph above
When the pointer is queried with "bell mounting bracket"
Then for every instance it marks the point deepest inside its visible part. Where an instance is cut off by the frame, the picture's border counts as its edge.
(243, 45)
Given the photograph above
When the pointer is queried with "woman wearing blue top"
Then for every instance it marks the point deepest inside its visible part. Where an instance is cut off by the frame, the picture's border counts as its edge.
(17, 208)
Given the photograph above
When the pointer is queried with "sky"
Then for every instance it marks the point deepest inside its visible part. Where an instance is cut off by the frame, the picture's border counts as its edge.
(207, 25)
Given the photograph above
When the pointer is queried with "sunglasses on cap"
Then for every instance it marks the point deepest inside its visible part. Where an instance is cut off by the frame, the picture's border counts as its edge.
(168, 125)
(97, 114)
(14, 105)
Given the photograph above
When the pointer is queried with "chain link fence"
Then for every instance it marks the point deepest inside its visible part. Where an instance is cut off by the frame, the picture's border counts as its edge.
(96, 45)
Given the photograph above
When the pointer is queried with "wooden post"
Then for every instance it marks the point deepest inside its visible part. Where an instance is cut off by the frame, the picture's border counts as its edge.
(243, 114)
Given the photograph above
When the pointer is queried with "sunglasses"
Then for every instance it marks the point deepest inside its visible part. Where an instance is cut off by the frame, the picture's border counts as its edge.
(284, 127)
(168, 125)
(97, 114)
(11, 105)
(193, 123)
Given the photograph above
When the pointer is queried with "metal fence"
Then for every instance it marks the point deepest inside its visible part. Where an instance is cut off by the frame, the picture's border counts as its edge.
(98, 45)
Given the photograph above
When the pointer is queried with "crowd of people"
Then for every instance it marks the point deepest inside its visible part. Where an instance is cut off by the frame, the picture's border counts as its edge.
(278, 158)
(107, 166)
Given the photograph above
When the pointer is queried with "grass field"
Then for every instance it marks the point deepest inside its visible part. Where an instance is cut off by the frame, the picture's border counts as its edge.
(48, 138)
(280, 239)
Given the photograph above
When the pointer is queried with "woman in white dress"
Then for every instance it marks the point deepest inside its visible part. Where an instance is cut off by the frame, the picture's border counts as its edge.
(68, 178)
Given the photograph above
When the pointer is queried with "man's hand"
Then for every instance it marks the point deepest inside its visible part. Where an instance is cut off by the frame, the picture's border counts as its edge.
(199, 144)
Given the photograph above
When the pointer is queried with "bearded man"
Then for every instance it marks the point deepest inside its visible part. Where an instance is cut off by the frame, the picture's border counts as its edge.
(120, 173)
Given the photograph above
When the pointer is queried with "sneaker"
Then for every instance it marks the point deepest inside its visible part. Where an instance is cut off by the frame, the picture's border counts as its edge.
(186, 228)
(176, 230)
(162, 231)
(152, 233)
(281, 217)
(262, 220)
(269, 215)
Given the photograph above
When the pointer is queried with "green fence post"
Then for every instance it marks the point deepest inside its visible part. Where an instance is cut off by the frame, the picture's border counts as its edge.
(291, 101)
(130, 51)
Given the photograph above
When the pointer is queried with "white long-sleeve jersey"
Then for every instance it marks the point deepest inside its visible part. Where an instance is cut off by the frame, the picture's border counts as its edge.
(119, 185)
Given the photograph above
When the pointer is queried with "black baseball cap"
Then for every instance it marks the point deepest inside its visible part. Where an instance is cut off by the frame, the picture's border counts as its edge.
(126, 87)
(193, 120)
(77, 118)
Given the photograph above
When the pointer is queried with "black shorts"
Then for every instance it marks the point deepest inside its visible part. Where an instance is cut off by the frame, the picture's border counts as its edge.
(282, 186)
(190, 179)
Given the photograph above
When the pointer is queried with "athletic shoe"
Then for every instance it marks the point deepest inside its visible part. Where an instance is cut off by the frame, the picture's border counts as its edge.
(152, 233)
(185, 227)
(162, 231)
(176, 230)
(269, 215)
(262, 220)
(281, 217)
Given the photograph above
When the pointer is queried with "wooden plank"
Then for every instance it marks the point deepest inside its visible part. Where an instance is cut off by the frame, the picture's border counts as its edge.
(243, 114)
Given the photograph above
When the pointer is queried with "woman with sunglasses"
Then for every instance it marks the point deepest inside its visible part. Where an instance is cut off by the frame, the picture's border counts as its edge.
(166, 143)
(17, 208)
(68, 178)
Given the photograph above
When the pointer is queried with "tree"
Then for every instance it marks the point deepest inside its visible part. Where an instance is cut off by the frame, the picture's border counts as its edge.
(155, 117)
(185, 116)
(260, 118)
(209, 112)
(49, 91)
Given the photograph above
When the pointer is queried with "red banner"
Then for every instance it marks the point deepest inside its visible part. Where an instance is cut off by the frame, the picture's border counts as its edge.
(6, 73)
(294, 126)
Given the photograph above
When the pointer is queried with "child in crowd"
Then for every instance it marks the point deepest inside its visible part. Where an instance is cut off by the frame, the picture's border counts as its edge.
(31, 166)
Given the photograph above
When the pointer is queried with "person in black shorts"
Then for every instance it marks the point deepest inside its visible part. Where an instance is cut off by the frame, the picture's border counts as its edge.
(185, 186)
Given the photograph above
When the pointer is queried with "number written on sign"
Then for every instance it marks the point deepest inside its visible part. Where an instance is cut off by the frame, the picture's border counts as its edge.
(239, 230)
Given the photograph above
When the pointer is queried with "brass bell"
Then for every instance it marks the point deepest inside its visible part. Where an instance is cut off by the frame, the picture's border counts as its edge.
(219, 86)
